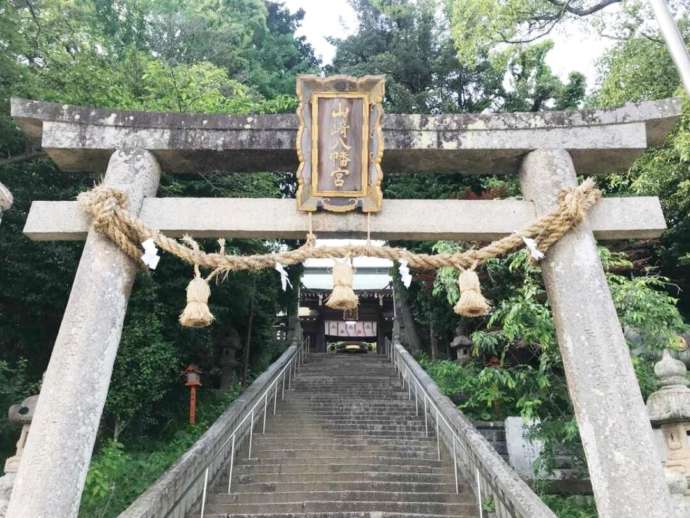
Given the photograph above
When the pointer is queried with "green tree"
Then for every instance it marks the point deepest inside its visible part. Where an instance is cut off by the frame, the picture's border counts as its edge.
(516, 367)
(640, 69)
(410, 43)
(487, 25)
(533, 86)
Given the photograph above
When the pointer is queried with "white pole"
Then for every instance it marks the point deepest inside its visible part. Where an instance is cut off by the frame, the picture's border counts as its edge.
(232, 463)
(674, 40)
(203, 496)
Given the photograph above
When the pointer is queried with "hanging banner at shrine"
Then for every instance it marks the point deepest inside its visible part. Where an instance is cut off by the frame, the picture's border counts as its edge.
(340, 143)
(349, 329)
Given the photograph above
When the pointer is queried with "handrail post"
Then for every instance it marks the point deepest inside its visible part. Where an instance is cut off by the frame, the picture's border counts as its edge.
(275, 398)
(455, 464)
(203, 496)
(263, 430)
(282, 393)
(251, 435)
(232, 463)
(416, 399)
(438, 437)
(479, 495)
(426, 420)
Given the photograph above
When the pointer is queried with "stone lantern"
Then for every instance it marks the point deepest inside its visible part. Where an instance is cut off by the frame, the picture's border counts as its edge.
(20, 413)
(462, 345)
(669, 409)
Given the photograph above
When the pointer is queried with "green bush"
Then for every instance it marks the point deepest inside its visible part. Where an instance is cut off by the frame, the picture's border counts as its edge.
(118, 475)
(576, 506)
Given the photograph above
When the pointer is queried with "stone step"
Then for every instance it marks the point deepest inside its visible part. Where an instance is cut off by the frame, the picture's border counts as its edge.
(327, 415)
(374, 378)
(406, 487)
(343, 467)
(355, 373)
(350, 425)
(318, 420)
(326, 440)
(338, 455)
(340, 496)
(344, 400)
(322, 438)
(335, 385)
(297, 400)
(356, 429)
(338, 434)
(372, 514)
(346, 476)
(346, 442)
(344, 416)
(302, 399)
(340, 412)
(377, 381)
(277, 422)
(263, 452)
(337, 408)
(442, 508)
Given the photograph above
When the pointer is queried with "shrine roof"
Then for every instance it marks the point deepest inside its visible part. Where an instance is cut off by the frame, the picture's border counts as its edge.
(602, 140)
(360, 282)
(370, 273)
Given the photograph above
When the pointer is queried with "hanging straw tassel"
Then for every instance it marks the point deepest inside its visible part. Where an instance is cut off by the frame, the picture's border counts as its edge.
(343, 296)
(196, 312)
(472, 303)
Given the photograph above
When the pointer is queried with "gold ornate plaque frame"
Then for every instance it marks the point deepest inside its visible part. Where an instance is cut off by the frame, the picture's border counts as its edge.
(364, 186)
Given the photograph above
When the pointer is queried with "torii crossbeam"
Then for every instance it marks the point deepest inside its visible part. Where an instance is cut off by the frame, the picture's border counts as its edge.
(545, 149)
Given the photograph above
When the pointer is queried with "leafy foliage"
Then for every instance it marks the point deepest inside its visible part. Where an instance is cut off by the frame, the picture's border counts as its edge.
(516, 367)
(110, 486)
(572, 506)
(640, 69)
(493, 25)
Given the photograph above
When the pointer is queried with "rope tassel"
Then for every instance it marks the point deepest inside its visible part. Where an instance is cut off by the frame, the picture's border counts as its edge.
(343, 296)
(196, 312)
(472, 303)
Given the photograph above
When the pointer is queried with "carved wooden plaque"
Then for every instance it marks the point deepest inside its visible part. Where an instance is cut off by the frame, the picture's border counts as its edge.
(340, 143)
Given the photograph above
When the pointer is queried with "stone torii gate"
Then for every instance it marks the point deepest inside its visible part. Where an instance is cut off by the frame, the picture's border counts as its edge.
(545, 149)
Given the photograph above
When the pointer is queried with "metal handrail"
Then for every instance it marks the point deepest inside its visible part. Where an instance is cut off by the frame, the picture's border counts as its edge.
(472, 455)
(289, 371)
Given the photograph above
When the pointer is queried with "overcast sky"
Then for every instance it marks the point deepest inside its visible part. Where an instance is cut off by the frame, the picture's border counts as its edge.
(574, 49)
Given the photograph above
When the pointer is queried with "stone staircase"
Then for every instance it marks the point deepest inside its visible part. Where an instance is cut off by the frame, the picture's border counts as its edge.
(346, 442)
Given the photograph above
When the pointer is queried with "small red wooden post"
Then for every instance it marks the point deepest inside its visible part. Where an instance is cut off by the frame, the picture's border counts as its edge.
(192, 380)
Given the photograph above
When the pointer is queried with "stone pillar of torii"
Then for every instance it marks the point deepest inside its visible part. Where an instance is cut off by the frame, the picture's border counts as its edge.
(544, 149)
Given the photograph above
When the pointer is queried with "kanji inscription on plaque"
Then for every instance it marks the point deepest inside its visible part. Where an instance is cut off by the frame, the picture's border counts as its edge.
(340, 143)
